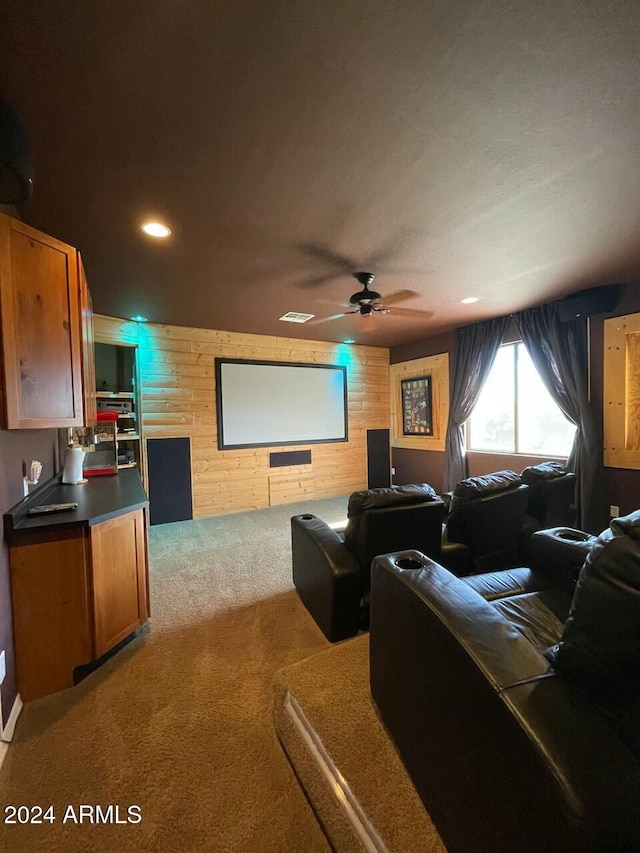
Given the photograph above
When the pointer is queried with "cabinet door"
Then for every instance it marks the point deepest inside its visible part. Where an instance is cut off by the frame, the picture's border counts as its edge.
(89, 408)
(40, 329)
(119, 565)
(51, 609)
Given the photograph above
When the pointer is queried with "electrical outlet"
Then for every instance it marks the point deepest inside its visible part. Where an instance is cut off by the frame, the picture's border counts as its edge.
(3, 666)
(393, 471)
(614, 511)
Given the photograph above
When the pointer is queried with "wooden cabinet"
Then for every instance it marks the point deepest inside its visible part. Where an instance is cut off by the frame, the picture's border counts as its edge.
(42, 330)
(89, 406)
(77, 591)
(118, 559)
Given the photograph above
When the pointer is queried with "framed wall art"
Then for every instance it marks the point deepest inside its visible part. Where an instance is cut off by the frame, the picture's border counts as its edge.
(417, 408)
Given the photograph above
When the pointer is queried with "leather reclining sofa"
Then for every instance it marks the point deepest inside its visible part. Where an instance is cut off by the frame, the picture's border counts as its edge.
(487, 515)
(331, 569)
(513, 697)
(485, 529)
(550, 499)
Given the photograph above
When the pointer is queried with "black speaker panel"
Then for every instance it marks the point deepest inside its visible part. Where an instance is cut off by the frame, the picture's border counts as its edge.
(597, 300)
(282, 458)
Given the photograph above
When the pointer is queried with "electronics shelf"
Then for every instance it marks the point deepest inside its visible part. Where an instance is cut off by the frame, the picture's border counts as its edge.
(118, 384)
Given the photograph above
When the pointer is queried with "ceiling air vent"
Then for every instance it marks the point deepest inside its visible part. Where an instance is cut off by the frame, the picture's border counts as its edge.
(296, 317)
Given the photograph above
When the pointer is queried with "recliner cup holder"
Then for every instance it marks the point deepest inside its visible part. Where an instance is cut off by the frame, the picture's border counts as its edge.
(569, 535)
(408, 563)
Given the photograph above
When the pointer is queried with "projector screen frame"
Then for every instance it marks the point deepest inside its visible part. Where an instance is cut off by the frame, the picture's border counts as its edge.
(220, 361)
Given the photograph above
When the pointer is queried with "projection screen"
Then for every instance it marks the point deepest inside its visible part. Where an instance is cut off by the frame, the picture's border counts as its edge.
(271, 403)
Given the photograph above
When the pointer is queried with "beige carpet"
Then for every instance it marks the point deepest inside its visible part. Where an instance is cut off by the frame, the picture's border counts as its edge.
(332, 690)
(180, 721)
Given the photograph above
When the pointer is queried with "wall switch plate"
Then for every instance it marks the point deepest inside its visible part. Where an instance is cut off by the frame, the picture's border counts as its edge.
(3, 667)
(614, 511)
(393, 471)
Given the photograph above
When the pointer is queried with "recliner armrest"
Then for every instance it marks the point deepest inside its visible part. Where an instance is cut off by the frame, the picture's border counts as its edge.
(327, 577)
(559, 552)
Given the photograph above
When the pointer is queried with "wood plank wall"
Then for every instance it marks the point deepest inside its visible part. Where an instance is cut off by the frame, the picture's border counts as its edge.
(177, 376)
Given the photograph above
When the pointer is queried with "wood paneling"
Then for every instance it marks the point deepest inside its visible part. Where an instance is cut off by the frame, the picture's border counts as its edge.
(177, 375)
(621, 392)
(436, 366)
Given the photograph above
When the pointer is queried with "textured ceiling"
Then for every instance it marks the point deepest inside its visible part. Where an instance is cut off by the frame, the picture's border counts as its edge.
(455, 149)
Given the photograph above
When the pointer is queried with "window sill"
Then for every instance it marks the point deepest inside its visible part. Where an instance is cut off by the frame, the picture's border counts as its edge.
(546, 457)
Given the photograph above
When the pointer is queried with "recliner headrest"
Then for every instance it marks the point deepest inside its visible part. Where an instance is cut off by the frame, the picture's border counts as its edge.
(543, 471)
(600, 647)
(378, 498)
(487, 484)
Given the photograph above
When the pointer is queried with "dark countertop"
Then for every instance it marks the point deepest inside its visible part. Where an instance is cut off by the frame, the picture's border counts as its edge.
(99, 499)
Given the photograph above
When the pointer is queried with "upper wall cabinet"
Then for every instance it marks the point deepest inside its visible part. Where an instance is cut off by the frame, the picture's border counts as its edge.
(42, 329)
(89, 404)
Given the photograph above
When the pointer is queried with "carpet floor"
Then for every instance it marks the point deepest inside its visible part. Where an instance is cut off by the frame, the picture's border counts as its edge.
(179, 722)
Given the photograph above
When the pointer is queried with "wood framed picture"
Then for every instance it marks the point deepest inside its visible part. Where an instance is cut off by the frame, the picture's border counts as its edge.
(417, 418)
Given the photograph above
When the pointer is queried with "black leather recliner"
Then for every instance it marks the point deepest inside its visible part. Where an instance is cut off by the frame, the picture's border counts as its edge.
(513, 700)
(332, 574)
(487, 514)
(551, 497)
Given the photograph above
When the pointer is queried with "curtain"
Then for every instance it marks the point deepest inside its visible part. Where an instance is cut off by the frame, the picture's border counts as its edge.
(560, 353)
(474, 353)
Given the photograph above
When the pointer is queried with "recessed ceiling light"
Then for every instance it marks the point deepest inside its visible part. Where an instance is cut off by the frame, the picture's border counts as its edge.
(349, 341)
(138, 318)
(469, 300)
(156, 229)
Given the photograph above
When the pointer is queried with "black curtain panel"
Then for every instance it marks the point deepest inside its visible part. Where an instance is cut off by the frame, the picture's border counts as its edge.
(475, 351)
(560, 353)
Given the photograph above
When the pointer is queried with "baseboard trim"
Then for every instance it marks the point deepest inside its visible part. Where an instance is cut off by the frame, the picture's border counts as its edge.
(6, 733)
(9, 729)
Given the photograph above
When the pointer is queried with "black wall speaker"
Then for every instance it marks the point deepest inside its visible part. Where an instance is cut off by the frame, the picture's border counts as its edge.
(16, 167)
(597, 300)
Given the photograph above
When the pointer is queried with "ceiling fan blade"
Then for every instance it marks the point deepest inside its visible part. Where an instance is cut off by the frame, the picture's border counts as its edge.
(411, 312)
(317, 280)
(399, 296)
(325, 319)
(322, 252)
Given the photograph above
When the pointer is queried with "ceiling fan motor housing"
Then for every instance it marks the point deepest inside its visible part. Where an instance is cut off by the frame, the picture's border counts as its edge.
(364, 296)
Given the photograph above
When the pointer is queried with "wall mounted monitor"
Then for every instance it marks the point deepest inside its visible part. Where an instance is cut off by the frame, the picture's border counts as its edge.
(273, 403)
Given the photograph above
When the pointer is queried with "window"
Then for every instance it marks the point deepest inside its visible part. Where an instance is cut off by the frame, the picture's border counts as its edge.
(515, 413)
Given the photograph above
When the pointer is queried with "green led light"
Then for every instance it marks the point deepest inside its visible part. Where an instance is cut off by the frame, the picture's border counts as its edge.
(349, 341)
(138, 318)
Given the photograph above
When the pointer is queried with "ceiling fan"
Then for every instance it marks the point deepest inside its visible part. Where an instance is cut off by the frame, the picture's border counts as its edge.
(368, 302)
